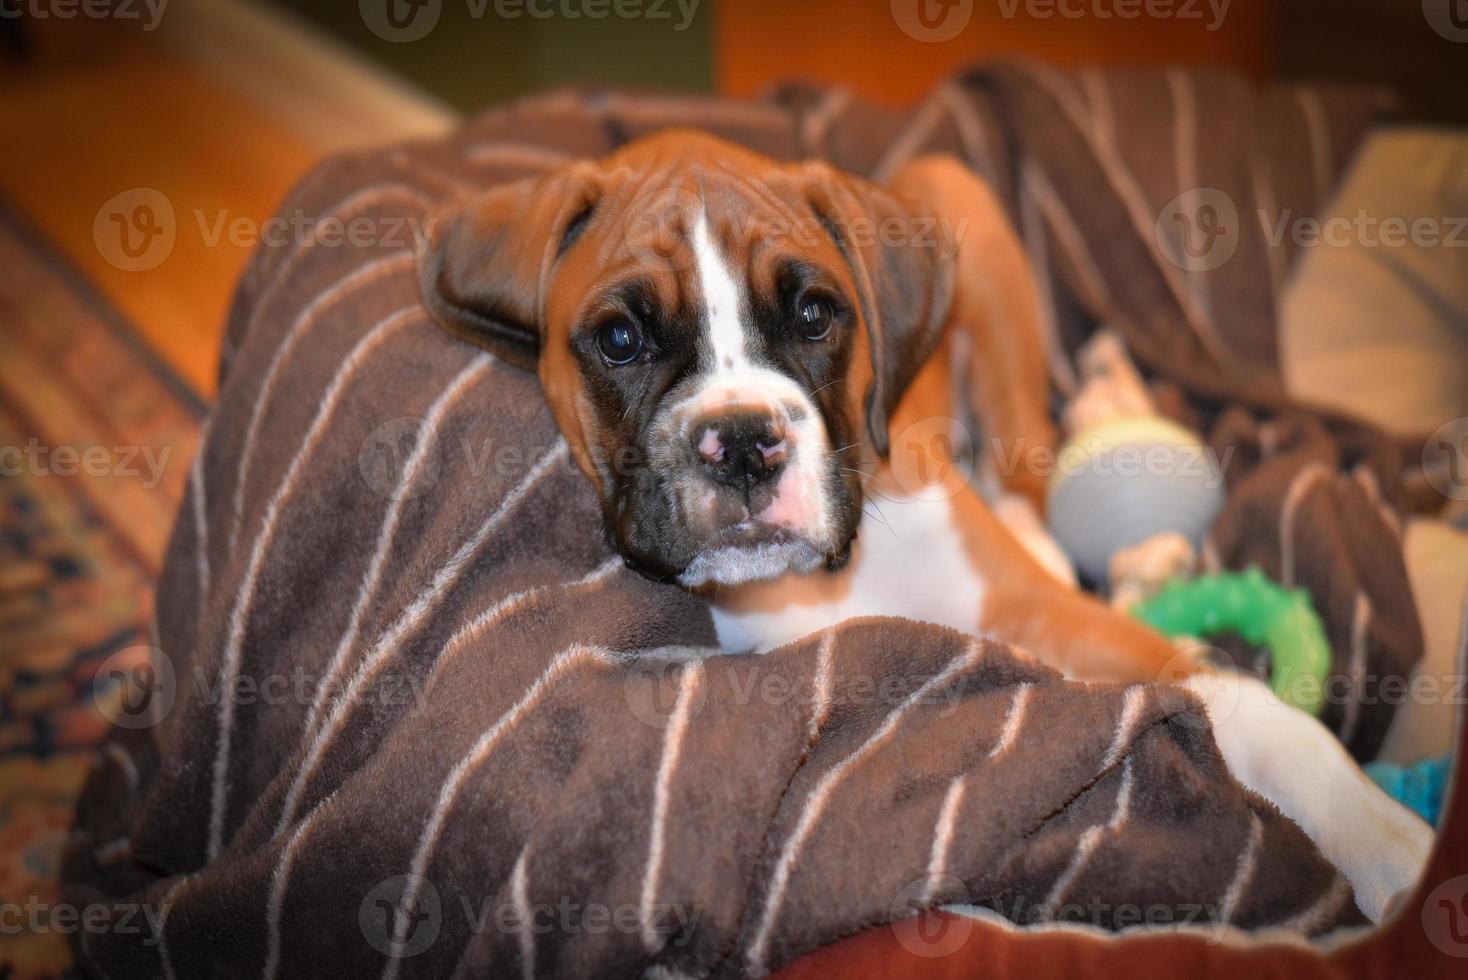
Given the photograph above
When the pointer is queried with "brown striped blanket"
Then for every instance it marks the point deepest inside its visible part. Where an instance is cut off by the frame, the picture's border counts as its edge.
(411, 717)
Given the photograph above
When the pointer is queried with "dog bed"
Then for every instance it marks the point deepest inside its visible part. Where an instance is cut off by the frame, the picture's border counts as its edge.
(411, 717)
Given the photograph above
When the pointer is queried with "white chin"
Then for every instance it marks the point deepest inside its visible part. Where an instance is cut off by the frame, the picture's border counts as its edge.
(738, 564)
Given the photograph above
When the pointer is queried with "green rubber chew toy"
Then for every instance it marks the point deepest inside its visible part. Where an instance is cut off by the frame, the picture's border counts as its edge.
(1263, 613)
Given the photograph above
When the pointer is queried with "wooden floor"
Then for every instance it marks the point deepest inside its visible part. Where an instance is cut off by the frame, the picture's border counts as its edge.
(102, 108)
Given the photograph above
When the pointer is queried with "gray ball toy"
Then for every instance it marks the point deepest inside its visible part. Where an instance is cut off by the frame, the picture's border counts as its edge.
(1120, 482)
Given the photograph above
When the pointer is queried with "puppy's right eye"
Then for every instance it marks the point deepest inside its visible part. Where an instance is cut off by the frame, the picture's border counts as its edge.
(813, 320)
(619, 341)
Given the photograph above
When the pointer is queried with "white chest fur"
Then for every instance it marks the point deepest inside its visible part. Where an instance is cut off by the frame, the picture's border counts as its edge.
(908, 560)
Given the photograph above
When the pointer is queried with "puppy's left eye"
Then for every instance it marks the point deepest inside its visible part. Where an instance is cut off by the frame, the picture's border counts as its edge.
(620, 341)
(814, 319)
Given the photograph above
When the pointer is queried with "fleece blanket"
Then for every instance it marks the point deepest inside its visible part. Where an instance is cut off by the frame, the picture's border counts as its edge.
(409, 716)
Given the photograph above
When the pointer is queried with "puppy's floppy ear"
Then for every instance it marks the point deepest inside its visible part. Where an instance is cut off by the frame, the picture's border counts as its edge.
(901, 264)
(484, 273)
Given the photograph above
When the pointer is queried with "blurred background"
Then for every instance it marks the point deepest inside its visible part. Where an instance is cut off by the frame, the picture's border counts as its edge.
(146, 140)
(223, 104)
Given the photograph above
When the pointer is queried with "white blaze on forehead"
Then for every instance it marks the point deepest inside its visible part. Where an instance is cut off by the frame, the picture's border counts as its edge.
(730, 380)
(721, 301)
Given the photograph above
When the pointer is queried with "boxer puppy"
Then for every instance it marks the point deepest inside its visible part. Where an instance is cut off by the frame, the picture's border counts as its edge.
(764, 369)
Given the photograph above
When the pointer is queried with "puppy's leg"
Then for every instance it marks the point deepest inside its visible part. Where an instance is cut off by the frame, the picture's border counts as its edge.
(1278, 751)
(1080, 636)
(1292, 760)
(994, 324)
(1019, 517)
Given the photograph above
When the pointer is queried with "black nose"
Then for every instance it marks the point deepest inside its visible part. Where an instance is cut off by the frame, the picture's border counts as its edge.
(741, 450)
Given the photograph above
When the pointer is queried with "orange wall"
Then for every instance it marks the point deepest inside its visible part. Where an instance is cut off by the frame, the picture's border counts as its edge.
(859, 43)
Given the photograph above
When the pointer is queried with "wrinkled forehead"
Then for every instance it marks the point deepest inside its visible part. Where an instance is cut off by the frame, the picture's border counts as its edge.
(702, 240)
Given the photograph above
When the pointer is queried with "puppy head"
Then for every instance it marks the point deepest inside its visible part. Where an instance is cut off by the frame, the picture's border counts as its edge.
(720, 337)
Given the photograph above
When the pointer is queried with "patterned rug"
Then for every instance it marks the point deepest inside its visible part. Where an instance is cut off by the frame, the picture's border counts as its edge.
(96, 437)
